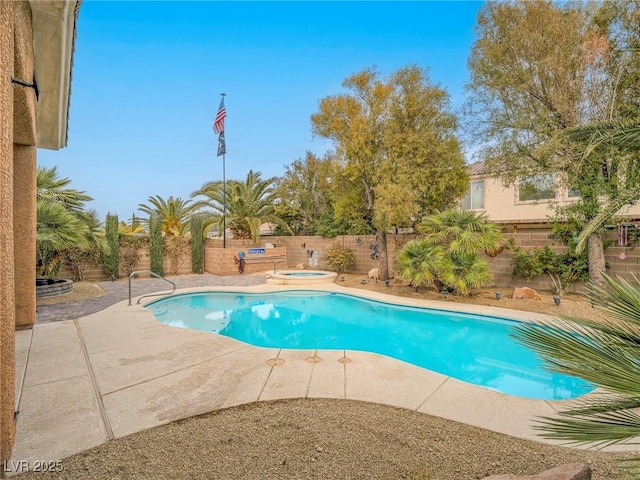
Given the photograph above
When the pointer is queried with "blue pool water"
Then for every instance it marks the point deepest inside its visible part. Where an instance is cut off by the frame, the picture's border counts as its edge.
(303, 274)
(472, 348)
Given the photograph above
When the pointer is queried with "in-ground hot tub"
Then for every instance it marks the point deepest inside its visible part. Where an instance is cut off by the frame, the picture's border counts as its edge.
(301, 277)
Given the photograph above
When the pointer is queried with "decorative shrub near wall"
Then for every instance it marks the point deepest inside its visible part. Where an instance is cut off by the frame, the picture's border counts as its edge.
(112, 259)
(339, 258)
(197, 244)
(156, 245)
(131, 248)
(177, 249)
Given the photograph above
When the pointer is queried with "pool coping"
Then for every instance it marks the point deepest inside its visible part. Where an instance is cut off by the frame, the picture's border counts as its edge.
(82, 382)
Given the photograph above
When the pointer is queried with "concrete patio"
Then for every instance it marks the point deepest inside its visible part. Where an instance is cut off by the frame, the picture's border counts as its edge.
(83, 381)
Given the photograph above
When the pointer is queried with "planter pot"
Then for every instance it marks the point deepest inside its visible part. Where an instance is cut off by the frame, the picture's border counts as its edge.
(52, 287)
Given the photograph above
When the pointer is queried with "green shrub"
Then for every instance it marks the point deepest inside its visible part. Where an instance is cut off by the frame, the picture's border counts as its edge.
(156, 246)
(112, 259)
(130, 248)
(563, 268)
(339, 258)
(197, 244)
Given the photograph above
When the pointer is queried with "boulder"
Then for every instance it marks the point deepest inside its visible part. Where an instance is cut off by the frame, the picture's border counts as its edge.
(526, 293)
(300, 266)
(569, 471)
(373, 273)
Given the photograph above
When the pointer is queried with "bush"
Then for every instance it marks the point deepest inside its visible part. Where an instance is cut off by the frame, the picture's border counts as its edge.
(112, 259)
(156, 246)
(563, 268)
(197, 244)
(130, 247)
(339, 258)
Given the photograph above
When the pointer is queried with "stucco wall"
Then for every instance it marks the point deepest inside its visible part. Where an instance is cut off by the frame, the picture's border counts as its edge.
(7, 283)
(501, 204)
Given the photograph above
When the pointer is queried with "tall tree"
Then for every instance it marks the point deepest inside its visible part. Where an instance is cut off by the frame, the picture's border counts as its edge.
(539, 69)
(249, 204)
(396, 140)
(305, 193)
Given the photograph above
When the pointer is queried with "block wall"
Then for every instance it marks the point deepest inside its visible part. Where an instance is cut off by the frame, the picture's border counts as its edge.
(309, 250)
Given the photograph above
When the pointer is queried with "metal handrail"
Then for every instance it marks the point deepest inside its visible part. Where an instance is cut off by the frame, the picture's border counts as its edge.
(132, 274)
(276, 261)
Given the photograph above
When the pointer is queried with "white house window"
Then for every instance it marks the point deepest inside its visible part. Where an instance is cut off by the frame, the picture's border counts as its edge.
(537, 187)
(474, 199)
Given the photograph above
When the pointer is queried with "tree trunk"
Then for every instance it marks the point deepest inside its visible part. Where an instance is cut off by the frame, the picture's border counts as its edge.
(597, 265)
(383, 272)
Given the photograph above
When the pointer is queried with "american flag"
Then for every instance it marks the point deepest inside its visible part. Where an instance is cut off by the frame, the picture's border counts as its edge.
(218, 123)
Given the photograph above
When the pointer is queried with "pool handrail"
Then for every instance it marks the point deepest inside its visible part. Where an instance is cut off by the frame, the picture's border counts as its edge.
(152, 273)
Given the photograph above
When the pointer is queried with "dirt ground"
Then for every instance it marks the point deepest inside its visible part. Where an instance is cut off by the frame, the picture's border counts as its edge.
(571, 304)
(333, 439)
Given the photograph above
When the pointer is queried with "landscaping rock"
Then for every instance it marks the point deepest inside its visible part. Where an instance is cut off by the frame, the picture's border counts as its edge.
(373, 273)
(526, 293)
(570, 471)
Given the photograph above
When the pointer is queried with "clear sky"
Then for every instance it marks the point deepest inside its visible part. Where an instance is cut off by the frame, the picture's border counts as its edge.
(147, 79)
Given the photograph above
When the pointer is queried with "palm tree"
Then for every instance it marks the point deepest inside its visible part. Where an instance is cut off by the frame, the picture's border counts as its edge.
(417, 262)
(449, 253)
(603, 352)
(249, 204)
(61, 222)
(50, 187)
(173, 212)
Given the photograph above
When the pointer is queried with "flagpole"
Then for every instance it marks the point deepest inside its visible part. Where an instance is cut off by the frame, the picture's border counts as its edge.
(224, 193)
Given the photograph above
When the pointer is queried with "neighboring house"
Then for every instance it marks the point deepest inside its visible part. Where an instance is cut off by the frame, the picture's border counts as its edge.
(525, 204)
(36, 52)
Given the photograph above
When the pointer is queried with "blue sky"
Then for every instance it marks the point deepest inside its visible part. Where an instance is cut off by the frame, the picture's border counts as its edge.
(147, 79)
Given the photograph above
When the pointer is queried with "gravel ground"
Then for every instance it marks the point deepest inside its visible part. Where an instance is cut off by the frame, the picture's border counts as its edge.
(333, 439)
(320, 439)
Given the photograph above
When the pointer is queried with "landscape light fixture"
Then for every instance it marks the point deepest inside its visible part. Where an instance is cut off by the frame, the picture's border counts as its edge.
(363, 281)
(556, 299)
(498, 295)
(342, 278)
(444, 294)
(386, 283)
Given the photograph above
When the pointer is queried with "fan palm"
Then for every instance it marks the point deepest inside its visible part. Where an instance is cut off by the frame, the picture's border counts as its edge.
(173, 212)
(51, 187)
(417, 262)
(61, 222)
(603, 352)
(462, 232)
(449, 254)
(249, 204)
(57, 229)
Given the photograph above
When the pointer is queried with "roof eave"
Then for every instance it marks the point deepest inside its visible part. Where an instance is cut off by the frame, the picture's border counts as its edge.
(54, 31)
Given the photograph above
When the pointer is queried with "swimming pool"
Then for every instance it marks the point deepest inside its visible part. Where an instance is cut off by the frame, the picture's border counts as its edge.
(472, 348)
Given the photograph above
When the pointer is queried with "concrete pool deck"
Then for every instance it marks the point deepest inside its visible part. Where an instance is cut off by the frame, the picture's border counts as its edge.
(83, 381)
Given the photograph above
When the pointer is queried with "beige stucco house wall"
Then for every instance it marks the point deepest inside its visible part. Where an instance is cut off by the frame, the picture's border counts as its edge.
(36, 42)
(507, 205)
